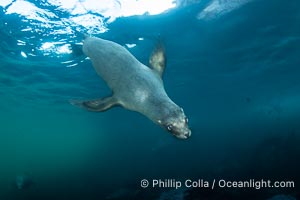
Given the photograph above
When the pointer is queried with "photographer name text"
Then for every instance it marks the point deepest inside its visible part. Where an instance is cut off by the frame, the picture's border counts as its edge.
(201, 183)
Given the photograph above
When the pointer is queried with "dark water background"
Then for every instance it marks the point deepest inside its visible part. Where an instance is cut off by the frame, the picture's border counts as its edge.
(236, 75)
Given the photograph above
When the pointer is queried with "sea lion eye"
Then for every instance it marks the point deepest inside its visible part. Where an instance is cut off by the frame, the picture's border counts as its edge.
(186, 120)
(169, 127)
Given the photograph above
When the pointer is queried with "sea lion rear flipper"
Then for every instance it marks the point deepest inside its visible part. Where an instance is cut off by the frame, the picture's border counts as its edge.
(97, 105)
(158, 59)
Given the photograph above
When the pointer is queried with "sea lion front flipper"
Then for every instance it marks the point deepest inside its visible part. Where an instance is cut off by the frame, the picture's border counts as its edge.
(158, 59)
(97, 105)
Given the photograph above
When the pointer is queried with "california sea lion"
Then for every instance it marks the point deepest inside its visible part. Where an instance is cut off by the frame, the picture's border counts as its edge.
(134, 86)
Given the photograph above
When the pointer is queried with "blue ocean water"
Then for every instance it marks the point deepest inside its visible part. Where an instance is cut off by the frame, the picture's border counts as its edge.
(233, 66)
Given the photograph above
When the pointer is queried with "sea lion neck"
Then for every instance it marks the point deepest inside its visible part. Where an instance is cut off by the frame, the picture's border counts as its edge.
(161, 108)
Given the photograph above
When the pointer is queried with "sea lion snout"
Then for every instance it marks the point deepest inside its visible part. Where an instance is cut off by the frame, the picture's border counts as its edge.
(184, 133)
(177, 125)
(188, 134)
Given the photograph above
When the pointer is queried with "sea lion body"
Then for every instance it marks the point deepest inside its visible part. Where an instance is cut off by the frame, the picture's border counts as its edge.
(134, 86)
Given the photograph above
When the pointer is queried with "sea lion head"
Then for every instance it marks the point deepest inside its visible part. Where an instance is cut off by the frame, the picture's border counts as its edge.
(176, 123)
